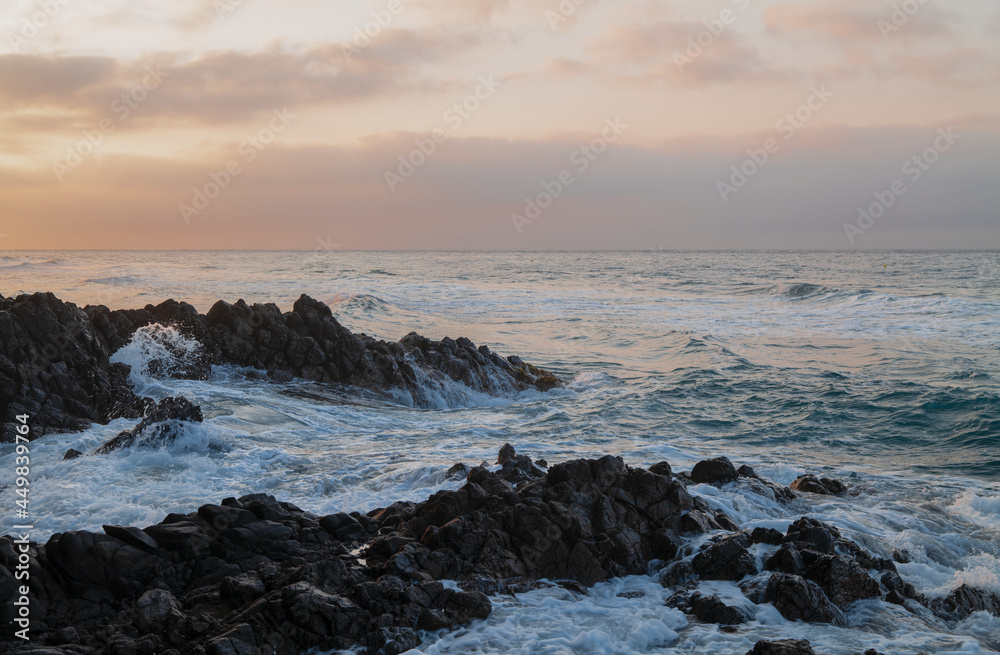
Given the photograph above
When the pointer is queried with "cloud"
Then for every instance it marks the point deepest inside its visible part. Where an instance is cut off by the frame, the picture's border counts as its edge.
(27, 80)
(670, 51)
(228, 85)
(853, 21)
(464, 195)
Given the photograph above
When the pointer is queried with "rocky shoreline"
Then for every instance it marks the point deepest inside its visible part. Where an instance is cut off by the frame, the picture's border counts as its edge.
(255, 575)
(55, 357)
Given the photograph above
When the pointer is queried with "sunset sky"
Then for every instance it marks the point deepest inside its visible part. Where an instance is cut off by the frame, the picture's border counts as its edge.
(259, 124)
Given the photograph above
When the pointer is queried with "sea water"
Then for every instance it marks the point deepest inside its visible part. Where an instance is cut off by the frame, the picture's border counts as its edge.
(879, 368)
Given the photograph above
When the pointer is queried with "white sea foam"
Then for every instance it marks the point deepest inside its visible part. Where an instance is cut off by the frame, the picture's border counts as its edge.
(981, 509)
(624, 617)
(153, 353)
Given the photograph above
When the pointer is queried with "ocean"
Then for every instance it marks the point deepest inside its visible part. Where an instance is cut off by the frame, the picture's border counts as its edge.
(879, 368)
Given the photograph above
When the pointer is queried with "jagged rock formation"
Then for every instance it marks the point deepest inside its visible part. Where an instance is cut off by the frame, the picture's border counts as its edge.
(257, 576)
(54, 356)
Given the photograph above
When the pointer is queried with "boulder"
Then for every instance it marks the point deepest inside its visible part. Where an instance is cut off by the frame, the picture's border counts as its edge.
(711, 609)
(718, 470)
(799, 599)
(782, 647)
(161, 426)
(818, 485)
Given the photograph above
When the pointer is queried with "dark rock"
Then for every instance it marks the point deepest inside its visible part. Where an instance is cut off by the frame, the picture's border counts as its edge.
(55, 368)
(661, 468)
(726, 559)
(343, 527)
(766, 536)
(817, 485)
(964, 601)
(243, 588)
(901, 555)
(72, 454)
(517, 468)
(813, 534)
(717, 470)
(254, 575)
(711, 609)
(132, 536)
(782, 647)
(159, 427)
(843, 580)
(459, 471)
(506, 454)
(799, 599)
(786, 559)
(55, 357)
(585, 520)
(895, 597)
(153, 608)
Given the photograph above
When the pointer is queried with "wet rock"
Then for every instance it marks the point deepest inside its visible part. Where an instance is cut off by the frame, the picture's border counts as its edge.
(55, 368)
(243, 588)
(766, 536)
(132, 536)
(72, 454)
(813, 534)
(459, 471)
(843, 580)
(714, 471)
(160, 426)
(787, 559)
(516, 468)
(661, 468)
(818, 485)
(506, 454)
(799, 599)
(711, 609)
(584, 520)
(964, 601)
(55, 357)
(782, 647)
(255, 575)
(153, 608)
(727, 559)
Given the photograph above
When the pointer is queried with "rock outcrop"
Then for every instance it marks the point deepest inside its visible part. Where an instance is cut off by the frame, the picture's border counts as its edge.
(55, 357)
(55, 368)
(161, 425)
(254, 575)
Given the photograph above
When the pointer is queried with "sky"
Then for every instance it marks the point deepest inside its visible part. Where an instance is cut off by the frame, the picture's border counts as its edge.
(499, 124)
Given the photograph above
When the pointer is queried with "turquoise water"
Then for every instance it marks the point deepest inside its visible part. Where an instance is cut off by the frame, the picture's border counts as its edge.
(881, 368)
